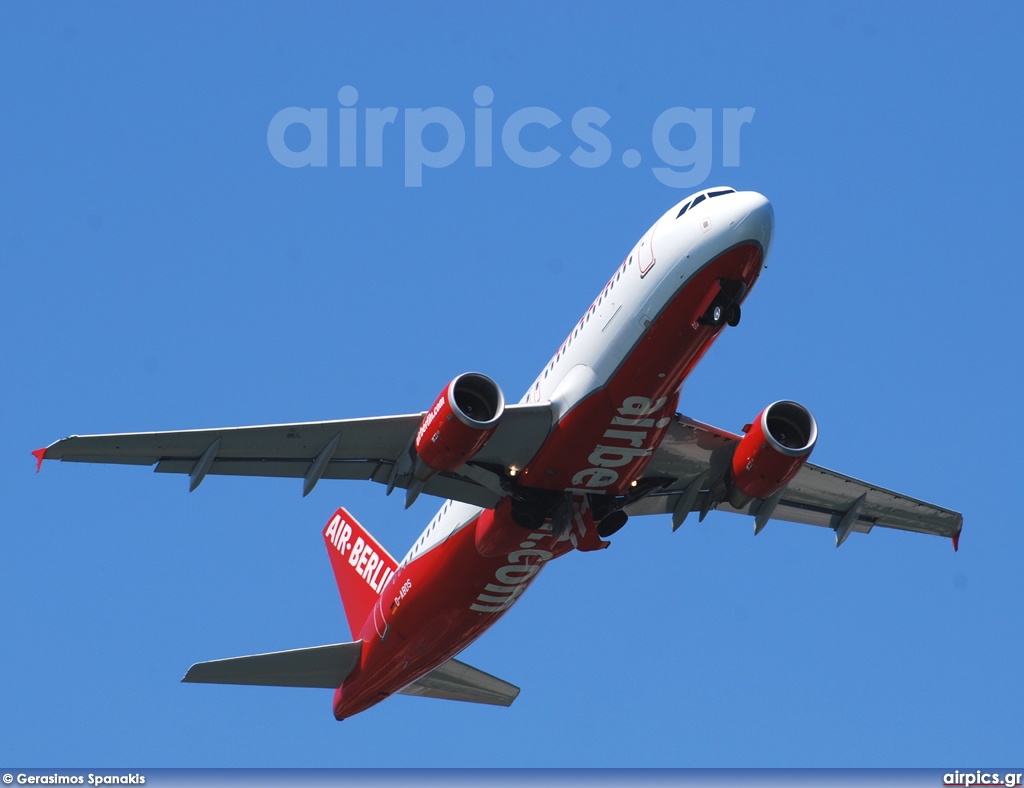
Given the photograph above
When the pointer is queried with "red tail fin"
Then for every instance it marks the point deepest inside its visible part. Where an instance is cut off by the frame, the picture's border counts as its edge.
(361, 567)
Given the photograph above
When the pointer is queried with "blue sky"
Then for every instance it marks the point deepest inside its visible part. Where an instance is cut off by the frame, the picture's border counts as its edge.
(161, 270)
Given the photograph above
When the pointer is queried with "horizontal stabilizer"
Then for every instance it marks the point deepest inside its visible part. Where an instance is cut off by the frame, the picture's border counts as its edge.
(456, 680)
(319, 666)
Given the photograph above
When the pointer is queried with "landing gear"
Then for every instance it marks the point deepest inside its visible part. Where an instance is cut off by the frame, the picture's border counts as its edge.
(612, 523)
(726, 306)
(527, 517)
(531, 507)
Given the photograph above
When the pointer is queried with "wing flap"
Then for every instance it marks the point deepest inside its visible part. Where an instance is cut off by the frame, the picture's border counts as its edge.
(456, 680)
(292, 469)
(326, 667)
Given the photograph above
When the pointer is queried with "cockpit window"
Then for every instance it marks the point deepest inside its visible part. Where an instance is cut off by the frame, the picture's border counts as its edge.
(701, 198)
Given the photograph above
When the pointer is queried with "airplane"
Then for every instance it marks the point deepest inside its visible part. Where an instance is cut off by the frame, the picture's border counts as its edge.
(595, 440)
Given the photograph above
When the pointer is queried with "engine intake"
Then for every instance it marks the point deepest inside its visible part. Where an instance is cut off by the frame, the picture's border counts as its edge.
(768, 457)
(462, 419)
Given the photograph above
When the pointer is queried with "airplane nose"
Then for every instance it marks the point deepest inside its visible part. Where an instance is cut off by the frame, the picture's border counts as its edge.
(759, 221)
(759, 209)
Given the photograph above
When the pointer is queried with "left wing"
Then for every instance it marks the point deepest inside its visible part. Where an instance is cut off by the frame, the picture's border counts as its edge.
(348, 449)
(694, 458)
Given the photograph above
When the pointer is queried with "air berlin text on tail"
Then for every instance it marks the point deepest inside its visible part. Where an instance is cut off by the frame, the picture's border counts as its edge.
(361, 556)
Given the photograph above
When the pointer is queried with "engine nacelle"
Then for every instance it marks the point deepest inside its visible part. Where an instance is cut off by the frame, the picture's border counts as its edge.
(777, 445)
(461, 421)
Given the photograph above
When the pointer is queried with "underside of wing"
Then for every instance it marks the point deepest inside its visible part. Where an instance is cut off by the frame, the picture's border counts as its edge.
(456, 680)
(696, 458)
(372, 448)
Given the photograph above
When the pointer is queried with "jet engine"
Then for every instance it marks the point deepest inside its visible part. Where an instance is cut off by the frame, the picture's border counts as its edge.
(462, 419)
(775, 447)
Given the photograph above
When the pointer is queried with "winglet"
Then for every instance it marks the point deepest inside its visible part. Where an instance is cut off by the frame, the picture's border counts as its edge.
(956, 542)
(39, 454)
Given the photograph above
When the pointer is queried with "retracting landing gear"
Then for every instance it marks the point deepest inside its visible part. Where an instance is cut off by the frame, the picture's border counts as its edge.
(726, 306)
(531, 506)
(527, 516)
(612, 523)
(609, 510)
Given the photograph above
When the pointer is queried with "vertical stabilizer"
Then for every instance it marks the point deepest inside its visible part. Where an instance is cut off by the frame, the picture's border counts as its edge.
(362, 568)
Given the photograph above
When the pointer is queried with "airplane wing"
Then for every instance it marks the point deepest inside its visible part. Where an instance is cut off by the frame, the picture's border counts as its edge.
(348, 449)
(695, 457)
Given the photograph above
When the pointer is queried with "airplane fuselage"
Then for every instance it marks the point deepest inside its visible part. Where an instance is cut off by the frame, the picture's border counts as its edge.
(614, 384)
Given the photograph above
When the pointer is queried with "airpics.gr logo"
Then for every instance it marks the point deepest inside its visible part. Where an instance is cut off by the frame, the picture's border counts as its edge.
(680, 168)
(1009, 779)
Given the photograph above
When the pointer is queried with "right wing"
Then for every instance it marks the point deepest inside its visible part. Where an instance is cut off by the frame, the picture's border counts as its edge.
(347, 449)
(694, 457)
